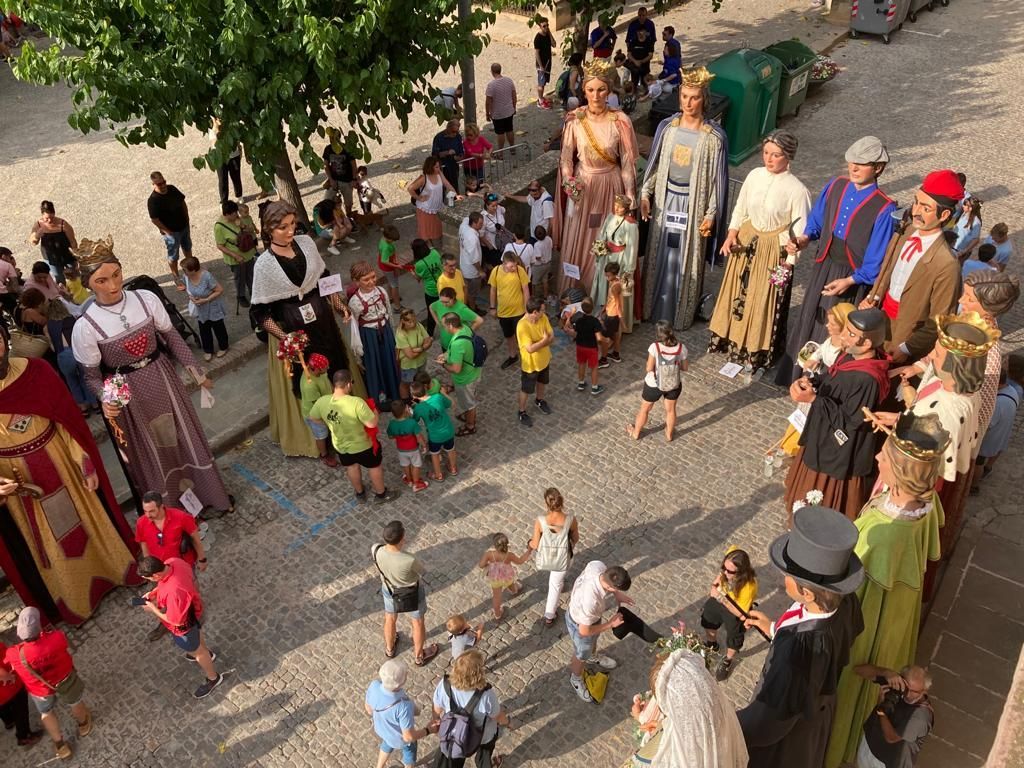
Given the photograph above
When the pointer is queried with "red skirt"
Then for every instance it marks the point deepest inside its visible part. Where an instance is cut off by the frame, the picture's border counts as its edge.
(428, 225)
(845, 496)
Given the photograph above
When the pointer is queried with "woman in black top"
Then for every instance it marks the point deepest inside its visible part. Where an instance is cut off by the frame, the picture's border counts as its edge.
(55, 238)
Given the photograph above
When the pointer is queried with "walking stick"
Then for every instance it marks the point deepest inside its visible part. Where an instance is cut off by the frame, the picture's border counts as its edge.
(746, 615)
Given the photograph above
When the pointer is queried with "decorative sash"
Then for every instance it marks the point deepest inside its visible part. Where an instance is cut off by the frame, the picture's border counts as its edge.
(598, 149)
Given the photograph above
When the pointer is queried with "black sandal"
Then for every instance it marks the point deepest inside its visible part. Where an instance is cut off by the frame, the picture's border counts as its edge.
(393, 651)
(463, 431)
(428, 654)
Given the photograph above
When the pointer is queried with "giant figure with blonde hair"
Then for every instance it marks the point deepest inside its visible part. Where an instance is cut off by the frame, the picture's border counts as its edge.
(598, 162)
(684, 194)
(898, 534)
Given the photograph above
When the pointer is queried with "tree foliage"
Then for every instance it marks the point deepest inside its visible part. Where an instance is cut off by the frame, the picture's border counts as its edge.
(269, 70)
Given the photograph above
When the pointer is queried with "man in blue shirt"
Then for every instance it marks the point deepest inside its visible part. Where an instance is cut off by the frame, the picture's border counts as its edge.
(602, 40)
(394, 714)
(640, 22)
(447, 147)
(986, 253)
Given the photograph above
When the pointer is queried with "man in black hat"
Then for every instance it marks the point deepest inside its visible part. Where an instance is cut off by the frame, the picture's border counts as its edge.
(787, 724)
(837, 447)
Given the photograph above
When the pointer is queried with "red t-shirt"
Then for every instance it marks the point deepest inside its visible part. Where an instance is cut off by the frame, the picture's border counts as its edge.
(8, 690)
(176, 594)
(48, 656)
(177, 524)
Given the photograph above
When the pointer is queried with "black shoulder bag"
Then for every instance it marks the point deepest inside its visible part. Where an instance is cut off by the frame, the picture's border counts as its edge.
(405, 599)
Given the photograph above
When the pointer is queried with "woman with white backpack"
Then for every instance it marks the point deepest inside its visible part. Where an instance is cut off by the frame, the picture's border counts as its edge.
(555, 536)
(666, 363)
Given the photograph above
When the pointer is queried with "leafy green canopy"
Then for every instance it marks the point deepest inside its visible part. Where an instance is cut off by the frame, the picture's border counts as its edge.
(269, 70)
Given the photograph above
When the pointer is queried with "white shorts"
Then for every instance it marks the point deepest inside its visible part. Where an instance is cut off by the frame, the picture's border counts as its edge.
(410, 459)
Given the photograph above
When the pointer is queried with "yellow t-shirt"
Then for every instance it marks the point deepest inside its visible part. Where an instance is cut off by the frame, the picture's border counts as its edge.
(746, 595)
(510, 290)
(456, 283)
(78, 293)
(530, 333)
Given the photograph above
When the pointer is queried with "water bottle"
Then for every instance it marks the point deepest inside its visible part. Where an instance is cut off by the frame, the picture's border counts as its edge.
(451, 199)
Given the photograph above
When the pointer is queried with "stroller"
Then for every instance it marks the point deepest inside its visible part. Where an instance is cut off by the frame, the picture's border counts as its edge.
(181, 325)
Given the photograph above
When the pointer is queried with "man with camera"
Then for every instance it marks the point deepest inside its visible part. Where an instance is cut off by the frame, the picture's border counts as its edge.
(894, 732)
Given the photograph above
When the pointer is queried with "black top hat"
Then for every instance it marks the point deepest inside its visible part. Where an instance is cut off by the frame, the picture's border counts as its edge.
(819, 551)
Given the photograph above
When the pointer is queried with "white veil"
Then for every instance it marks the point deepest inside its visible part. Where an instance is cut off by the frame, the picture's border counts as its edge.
(700, 728)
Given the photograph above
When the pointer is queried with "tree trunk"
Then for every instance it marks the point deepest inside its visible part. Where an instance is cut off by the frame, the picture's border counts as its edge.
(287, 186)
(581, 34)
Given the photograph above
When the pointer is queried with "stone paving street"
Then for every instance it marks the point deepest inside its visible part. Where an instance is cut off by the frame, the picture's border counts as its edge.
(293, 599)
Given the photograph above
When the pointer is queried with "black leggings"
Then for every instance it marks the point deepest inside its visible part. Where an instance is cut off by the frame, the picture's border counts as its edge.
(482, 758)
(716, 615)
(431, 324)
(207, 331)
(15, 715)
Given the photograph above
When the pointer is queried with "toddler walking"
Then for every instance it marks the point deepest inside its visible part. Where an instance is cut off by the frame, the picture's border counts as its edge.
(500, 565)
(461, 636)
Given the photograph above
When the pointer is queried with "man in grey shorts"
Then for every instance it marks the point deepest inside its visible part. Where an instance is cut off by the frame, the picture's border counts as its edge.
(460, 362)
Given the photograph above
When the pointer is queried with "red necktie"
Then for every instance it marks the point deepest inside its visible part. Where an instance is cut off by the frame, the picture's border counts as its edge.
(912, 246)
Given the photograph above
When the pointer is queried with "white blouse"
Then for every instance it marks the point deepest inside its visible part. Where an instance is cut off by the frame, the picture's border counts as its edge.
(84, 338)
(491, 223)
(770, 201)
(370, 308)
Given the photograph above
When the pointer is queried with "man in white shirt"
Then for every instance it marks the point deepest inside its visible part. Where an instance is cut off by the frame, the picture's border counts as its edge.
(471, 255)
(542, 207)
(596, 590)
(920, 276)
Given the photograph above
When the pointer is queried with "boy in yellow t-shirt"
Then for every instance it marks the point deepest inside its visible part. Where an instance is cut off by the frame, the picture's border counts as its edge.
(510, 290)
(451, 277)
(534, 334)
(733, 593)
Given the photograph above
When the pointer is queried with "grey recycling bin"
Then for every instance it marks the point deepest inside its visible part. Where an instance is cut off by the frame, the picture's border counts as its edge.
(877, 17)
(916, 6)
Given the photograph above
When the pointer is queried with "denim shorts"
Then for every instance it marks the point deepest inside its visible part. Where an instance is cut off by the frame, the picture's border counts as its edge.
(178, 241)
(188, 642)
(582, 647)
(320, 431)
(46, 704)
(408, 752)
(389, 605)
(408, 374)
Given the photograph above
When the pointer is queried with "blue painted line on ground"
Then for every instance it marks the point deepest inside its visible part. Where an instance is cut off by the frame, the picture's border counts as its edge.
(317, 528)
(279, 498)
(562, 340)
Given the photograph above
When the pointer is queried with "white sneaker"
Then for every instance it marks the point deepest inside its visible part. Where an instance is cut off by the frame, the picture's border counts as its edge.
(605, 662)
(581, 689)
(349, 240)
(333, 251)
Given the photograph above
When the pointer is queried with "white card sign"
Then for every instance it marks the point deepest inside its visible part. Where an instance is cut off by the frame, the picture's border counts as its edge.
(330, 284)
(191, 502)
(729, 370)
(570, 270)
(798, 419)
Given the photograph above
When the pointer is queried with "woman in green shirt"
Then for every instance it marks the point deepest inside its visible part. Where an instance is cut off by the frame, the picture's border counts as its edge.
(427, 267)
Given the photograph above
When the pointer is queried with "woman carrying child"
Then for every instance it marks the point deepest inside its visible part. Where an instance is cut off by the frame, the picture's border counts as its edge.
(371, 307)
(500, 565)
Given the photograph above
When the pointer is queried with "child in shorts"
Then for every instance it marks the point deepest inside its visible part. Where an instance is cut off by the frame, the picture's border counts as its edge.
(612, 313)
(461, 635)
(313, 385)
(411, 343)
(587, 331)
(387, 261)
(406, 433)
(432, 410)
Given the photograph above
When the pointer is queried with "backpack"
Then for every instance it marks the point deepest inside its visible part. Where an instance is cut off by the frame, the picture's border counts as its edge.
(666, 372)
(245, 240)
(480, 349)
(458, 735)
(554, 550)
(562, 85)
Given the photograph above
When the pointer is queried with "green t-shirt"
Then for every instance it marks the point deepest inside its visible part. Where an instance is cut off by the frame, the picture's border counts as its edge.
(386, 251)
(461, 351)
(312, 388)
(433, 412)
(435, 387)
(347, 417)
(467, 315)
(427, 269)
(405, 430)
(226, 233)
(408, 340)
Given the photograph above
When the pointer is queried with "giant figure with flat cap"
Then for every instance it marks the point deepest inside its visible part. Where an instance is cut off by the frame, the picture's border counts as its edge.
(788, 722)
(852, 221)
(837, 448)
(920, 276)
(898, 536)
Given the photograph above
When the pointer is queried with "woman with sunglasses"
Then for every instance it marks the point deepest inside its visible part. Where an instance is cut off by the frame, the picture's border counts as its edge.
(732, 595)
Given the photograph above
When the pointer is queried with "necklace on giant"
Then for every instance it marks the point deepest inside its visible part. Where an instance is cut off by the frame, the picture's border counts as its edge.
(118, 311)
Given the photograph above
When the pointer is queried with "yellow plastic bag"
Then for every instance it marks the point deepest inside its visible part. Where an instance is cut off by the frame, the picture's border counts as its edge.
(597, 684)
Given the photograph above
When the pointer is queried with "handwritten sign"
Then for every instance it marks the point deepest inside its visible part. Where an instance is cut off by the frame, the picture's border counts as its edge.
(330, 284)
(798, 419)
(191, 502)
(730, 370)
(570, 270)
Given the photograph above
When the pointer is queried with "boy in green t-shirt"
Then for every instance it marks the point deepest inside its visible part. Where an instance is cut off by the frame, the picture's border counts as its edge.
(387, 261)
(432, 410)
(313, 385)
(461, 363)
(408, 438)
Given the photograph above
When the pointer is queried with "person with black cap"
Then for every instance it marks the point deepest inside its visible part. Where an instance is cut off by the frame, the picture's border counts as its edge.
(852, 218)
(837, 448)
(920, 276)
(788, 722)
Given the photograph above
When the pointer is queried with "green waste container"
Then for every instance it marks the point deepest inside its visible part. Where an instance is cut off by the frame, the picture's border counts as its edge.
(750, 79)
(797, 60)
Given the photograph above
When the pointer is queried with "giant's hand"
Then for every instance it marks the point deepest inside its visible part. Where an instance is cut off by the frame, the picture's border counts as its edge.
(645, 208)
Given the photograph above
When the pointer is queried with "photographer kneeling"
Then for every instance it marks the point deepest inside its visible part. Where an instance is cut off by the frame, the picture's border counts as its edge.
(894, 732)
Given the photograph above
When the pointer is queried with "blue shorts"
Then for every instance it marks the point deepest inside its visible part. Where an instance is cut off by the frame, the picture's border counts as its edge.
(188, 642)
(389, 605)
(435, 448)
(408, 374)
(544, 75)
(582, 647)
(408, 752)
(178, 241)
(320, 431)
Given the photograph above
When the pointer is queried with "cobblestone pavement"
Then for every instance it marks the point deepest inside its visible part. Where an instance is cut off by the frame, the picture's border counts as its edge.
(293, 605)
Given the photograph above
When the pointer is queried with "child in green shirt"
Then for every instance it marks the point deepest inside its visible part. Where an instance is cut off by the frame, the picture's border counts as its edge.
(408, 438)
(313, 385)
(432, 410)
(411, 343)
(387, 261)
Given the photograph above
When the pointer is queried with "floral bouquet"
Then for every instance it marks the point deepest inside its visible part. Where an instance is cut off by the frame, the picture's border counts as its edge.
(599, 250)
(291, 347)
(823, 69)
(679, 639)
(116, 393)
(779, 276)
(573, 188)
(813, 498)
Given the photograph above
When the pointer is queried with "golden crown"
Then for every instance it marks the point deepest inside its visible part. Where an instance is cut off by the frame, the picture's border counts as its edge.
(698, 77)
(920, 437)
(91, 252)
(601, 68)
(953, 327)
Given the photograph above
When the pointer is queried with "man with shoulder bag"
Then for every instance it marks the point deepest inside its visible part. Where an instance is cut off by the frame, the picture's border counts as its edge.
(894, 732)
(403, 592)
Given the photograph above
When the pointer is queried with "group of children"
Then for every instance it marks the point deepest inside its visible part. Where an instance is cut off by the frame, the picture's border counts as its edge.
(598, 337)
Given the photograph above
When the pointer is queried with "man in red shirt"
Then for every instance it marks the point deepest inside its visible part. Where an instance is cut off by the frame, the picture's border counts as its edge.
(14, 704)
(45, 668)
(167, 532)
(177, 603)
